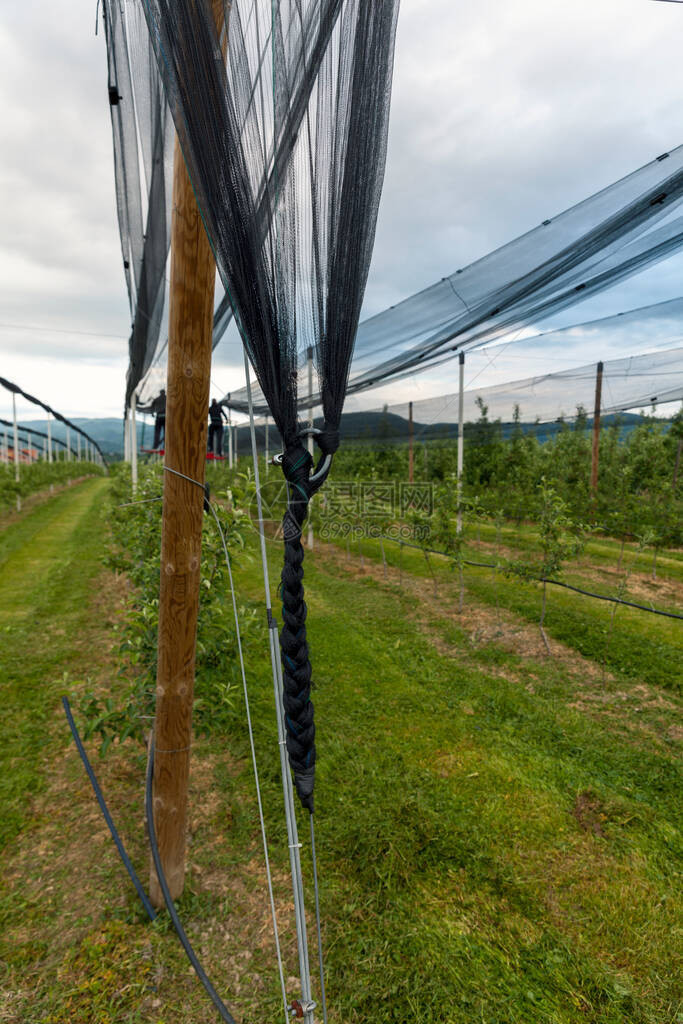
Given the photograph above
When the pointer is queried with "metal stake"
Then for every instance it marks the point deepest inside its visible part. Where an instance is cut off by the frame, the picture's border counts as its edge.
(290, 816)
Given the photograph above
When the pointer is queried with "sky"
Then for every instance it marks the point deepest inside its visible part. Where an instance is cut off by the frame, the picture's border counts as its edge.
(502, 116)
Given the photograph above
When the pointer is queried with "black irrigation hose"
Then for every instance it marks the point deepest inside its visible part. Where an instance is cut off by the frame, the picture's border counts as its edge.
(191, 955)
(170, 906)
(105, 811)
(540, 579)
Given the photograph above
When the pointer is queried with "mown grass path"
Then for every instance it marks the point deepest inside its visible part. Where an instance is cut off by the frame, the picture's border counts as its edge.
(497, 829)
(47, 563)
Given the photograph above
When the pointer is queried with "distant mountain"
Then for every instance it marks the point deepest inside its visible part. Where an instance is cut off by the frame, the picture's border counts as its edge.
(107, 432)
(376, 427)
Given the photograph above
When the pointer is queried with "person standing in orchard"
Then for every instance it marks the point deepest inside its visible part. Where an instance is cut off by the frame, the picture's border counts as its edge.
(159, 410)
(216, 416)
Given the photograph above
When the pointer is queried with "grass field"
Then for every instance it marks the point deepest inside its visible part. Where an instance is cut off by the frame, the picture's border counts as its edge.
(497, 828)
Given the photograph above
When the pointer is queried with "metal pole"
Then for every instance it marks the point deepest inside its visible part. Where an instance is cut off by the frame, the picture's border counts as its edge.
(30, 452)
(133, 442)
(410, 442)
(68, 445)
(310, 438)
(16, 438)
(78, 442)
(461, 438)
(266, 449)
(230, 458)
(595, 454)
(16, 448)
(49, 439)
(287, 788)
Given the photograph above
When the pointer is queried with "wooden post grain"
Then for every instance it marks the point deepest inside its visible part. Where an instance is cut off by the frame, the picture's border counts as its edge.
(595, 458)
(190, 328)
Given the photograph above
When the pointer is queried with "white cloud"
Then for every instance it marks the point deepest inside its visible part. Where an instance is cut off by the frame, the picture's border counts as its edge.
(503, 114)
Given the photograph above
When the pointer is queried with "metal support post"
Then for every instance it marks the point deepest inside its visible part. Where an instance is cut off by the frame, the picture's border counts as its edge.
(49, 438)
(16, 438)
(461, 437)
(266, 445)
(292, 833)
(16, 448)
(310, 437)
(595, 454)
(230, 452)
(133, 442)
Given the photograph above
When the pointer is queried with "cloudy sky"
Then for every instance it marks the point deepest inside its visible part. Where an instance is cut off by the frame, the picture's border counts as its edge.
(503, 114)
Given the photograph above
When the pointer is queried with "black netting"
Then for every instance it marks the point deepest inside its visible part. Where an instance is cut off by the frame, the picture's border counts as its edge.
(631, 383)
(613, 234)
(26, 434)
(143, 136)
(308, 82)
(16, 390)
(285, 145)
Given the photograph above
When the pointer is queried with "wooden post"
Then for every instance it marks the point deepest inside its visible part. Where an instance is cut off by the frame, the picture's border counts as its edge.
(461, 437)
(410, 442)
(190, 330)
(595, 458)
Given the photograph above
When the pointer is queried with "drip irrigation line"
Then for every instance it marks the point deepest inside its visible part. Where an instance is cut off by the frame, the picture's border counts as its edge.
(541, 579)
(170, 906)
(105, 811)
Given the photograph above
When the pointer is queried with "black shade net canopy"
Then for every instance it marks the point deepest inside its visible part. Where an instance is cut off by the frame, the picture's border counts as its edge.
(619, 231)
(28, 433)
(285, 144)
(16, 390)
(630, 383)
(143, 135)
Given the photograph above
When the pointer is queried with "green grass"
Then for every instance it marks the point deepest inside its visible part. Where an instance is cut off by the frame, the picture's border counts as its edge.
(497, 833)
(601, 552)
(639, 646)
(47, 562)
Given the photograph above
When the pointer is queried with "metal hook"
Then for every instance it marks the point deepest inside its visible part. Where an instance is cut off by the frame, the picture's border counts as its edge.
(322, 471)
